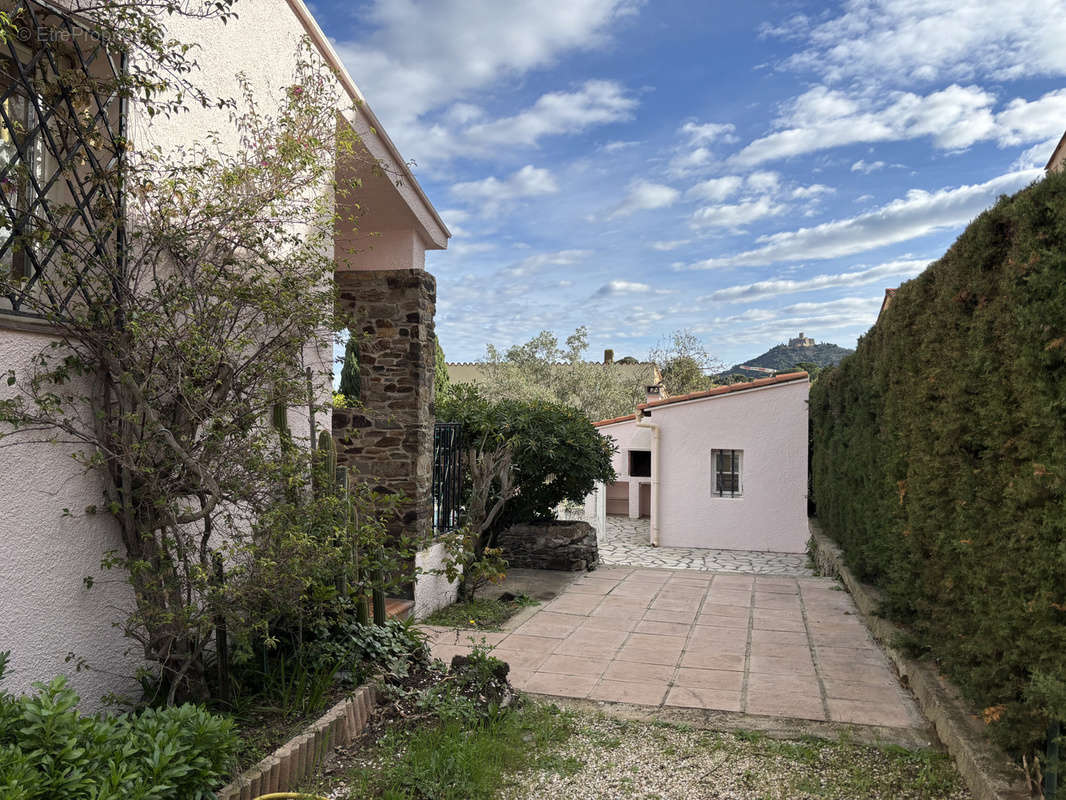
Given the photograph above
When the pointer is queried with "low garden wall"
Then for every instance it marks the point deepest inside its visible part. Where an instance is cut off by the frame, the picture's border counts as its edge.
(560, 545)
(433, 591)
(299, 757)
(939, 462)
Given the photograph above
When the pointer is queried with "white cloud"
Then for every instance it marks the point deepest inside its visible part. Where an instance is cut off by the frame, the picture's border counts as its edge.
(692, 161)
(624, 287)
(813, 191)
(823, 118)
(1023, 121)
(768, 325)
(697, 134)
(715, 190)
(917, 214)
(491, 192)
(1037, 156)
(645, 196)
(904, 41)
(667, 246)
(866, 167)
(421, 55)
(614, 147)
(454, 219)
(594, 103)
(763, 181)
(696, 155)
(735, 215)
(759, 290)
(541, 261)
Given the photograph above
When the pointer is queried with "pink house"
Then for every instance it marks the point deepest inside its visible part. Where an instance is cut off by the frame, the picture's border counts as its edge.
(724, 468)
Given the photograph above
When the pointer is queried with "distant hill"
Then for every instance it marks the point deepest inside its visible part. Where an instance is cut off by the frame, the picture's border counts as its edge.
(784, 357)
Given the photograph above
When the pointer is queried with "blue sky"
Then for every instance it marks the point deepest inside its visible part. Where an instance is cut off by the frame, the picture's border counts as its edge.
(743, 170)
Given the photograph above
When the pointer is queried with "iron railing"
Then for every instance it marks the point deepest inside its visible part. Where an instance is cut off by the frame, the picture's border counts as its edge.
(447, 475)
(62, 139)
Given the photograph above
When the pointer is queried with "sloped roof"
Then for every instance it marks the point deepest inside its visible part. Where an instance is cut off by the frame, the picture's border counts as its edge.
(322, 43)
(717, 391)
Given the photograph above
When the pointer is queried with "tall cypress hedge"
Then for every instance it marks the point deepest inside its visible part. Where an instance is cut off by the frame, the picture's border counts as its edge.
(939, 460)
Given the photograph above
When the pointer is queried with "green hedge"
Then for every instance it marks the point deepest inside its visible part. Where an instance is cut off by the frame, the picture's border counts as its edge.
(49, 751)
(939, 460)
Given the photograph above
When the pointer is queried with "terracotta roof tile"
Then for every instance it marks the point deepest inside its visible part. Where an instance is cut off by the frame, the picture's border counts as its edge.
(715, 392)
(613, 421)
(731, 388)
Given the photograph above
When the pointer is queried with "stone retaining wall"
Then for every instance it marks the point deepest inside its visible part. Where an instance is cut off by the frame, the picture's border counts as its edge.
(287, 766)
(562, 545)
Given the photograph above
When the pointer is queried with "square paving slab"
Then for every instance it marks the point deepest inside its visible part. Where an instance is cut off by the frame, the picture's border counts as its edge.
(781, 646)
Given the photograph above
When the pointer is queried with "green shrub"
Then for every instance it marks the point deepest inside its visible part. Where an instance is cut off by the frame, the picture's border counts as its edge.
(557, 453)
(48, 750)
(939, 458)
(364, 650)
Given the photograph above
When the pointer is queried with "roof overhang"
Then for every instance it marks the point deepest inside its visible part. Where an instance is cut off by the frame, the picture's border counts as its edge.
(432, 229)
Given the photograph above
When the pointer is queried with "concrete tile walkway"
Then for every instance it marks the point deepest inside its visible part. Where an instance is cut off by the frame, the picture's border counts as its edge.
(625, 543)
(776, 646)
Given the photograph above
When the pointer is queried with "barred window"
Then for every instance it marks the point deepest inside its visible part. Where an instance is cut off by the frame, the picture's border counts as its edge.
(726, 465)
(61, 141)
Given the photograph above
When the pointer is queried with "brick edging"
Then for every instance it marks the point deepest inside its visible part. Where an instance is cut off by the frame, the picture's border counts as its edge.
(283, 769)
(989, 772)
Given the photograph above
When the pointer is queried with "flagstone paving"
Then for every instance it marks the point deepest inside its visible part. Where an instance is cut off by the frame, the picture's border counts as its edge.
(625, 543)
(777, 646)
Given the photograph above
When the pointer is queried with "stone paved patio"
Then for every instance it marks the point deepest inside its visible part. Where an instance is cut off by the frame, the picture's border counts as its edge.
(626, 544)
(777, 646)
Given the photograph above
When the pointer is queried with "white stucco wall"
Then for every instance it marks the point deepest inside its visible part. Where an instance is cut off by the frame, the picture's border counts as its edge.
(769, 425)
(45, 609)
(432, 592)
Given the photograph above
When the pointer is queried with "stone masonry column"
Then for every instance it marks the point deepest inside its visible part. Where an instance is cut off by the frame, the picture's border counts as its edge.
(388, 440)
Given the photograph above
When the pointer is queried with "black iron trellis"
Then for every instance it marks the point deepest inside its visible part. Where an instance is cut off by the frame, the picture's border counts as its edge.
(62, 123)
(447, 475)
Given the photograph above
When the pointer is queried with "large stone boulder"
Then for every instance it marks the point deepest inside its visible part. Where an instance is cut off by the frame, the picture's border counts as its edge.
(561, 544)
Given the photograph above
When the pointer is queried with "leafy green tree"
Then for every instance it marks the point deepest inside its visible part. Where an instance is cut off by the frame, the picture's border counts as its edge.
(440, 370)
(555, 453)
(683, 362)
(543, 370)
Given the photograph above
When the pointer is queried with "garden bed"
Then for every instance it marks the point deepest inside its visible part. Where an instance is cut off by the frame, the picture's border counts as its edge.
(486, 614)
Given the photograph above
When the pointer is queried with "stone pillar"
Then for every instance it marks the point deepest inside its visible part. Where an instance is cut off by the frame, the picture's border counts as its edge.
(388, 440)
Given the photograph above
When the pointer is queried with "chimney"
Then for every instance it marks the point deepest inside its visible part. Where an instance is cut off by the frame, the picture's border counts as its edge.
(608, 356)
(653, 393)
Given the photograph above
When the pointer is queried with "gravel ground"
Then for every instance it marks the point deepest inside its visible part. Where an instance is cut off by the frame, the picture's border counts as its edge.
(612, 758)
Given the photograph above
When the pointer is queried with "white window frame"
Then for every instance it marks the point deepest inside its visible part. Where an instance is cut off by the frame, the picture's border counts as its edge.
(738, 471)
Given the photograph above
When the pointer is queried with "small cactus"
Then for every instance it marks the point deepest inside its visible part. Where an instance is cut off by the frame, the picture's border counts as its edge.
(280, 418)
(325, 475)
(328, 450)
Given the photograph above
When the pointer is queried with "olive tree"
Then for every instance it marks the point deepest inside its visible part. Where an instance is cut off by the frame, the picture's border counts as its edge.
(544, 370)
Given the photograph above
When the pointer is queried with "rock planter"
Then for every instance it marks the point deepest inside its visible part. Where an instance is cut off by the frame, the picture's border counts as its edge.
(561, 545)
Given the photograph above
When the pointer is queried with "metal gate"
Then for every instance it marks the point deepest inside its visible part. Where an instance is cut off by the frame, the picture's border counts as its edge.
(447, 475)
